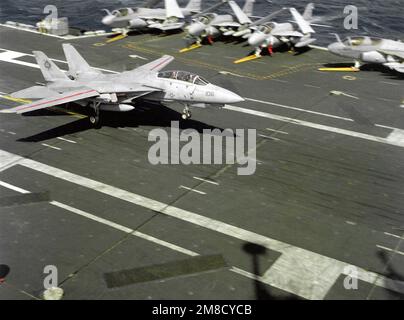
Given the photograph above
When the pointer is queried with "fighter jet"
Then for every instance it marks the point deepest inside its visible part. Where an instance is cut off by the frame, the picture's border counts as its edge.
(387, 52)
(91, 88)
(268, 34)
(169, 18)
(209, 24)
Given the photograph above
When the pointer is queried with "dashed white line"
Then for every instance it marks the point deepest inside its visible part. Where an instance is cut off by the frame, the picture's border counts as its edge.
(49, 146)
(11, 132)
(10, 186)
(393, 235)
(391, 83)
(277, 131)
(278, 80)
(268, 137)
(206, 180)
(317, 126)
(106, 222)
(390, 250)
(67, 140)
(190, 189)
(298, 109)
(311, 86)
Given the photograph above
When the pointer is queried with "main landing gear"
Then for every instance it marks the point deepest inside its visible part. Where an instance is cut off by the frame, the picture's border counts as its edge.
(95, 113)
(186, 113)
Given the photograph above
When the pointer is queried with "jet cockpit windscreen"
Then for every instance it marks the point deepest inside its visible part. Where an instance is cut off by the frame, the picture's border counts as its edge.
(361, 41)
(183, 76)
(121, 12)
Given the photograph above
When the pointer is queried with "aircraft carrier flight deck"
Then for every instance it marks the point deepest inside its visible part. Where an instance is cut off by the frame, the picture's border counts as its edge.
(326, 197)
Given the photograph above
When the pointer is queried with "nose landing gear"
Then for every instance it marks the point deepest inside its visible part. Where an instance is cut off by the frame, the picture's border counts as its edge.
(186, 113)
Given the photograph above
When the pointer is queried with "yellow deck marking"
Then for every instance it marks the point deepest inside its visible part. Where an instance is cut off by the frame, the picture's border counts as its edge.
(248, 58)
(116, 38)
(194, 46)
(342, 69)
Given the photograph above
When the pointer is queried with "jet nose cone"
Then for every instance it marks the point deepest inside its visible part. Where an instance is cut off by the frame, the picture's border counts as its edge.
(231, 97)
(256, 39)
(335, 47)
(196, 28)
(107, 20)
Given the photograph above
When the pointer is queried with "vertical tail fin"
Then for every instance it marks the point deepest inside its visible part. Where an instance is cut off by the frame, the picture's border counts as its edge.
(194, 6)
(173, 9)
(308, 12)
(77, 65)
(248, 7)
(49, 69)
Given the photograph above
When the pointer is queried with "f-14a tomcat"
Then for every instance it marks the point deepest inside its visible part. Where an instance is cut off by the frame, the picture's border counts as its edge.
(89, 87)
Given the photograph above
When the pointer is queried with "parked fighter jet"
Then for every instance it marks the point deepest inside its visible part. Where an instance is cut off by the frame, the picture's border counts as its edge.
(89, 87)
(268, 34)
(389, 53)
(168, 18)
(209, 25)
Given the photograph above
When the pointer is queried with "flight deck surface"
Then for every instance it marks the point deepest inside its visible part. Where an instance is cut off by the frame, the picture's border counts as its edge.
(327, 194)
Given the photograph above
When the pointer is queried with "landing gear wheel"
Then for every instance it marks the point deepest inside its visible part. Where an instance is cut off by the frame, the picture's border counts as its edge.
(93, 120)
(95, 115)
(186, 114)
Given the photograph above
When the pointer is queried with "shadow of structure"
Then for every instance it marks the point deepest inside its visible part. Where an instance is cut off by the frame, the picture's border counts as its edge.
(262, 291)
(4, 271)
(393, 274)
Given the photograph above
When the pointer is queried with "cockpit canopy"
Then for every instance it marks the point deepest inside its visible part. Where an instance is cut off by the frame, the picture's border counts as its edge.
(183, 76)
(206, 18)
(123, 12)
(267, 28)
(361, 41)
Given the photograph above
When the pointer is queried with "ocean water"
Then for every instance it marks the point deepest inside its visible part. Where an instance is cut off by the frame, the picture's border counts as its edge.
(381, 18)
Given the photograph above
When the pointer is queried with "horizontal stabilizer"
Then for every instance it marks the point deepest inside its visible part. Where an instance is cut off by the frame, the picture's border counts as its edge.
(36, 92)
(55, 100)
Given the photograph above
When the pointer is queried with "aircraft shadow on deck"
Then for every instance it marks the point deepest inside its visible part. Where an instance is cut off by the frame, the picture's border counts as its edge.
(262, 291)
(144, 115)
(393, 274)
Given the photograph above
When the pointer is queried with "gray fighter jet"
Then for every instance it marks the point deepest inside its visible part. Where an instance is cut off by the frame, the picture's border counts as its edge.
(387, 52)
(265, 33)
(209, 24)
(170, 17)
(91, 88)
